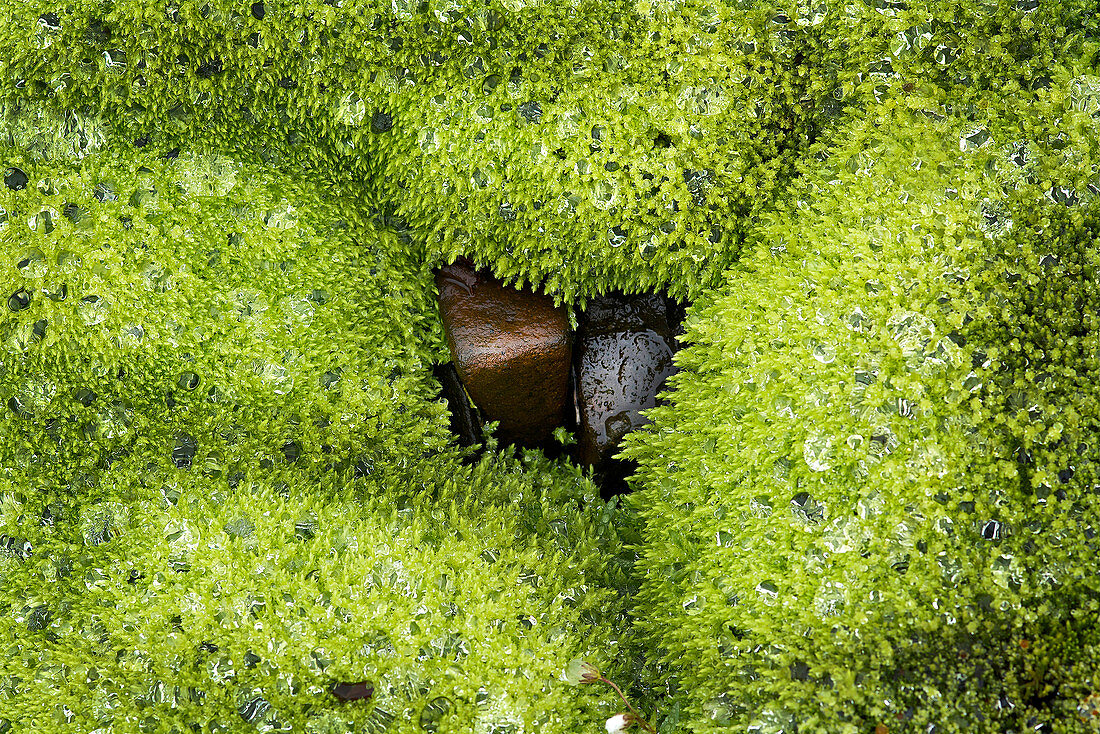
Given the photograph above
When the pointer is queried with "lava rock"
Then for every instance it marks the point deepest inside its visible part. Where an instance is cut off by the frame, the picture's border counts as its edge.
(623, 358)
(512, 350)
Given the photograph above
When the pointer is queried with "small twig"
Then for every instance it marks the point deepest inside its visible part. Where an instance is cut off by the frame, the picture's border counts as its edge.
(641, 720)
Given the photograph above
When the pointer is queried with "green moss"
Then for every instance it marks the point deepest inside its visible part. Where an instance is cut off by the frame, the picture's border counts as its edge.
(580, 146)
(201, 313)
(226, 480)
(871, 499)
(228, 483)
(457, 592)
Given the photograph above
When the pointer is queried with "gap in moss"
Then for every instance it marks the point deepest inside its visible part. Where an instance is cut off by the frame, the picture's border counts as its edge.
(516, 362)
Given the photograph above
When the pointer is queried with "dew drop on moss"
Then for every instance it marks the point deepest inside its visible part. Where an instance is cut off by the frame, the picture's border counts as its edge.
(379, 721)
(104, 192)
(817, 452)
(93, 310)
(254, 709)
(15, 179)
(183, 450)
(768, 589)
(16, 406)
(19, 300)
(531, 111)
(434, 712)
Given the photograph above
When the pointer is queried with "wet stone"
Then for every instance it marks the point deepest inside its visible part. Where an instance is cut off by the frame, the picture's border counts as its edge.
(511, 349)
(361, 691)
(623, 358)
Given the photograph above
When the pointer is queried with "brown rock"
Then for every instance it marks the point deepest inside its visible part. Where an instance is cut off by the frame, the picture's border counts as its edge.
(624, 355)
(512, 348)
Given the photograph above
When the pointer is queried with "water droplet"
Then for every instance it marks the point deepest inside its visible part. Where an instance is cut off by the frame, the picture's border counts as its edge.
(531, 111)
(434, 712)
(15, 179)
(806, 508)
(183, 450)
(768, 589)
(99, 523)
(379, 721)
(92, 310)
(824, 353)
(912, 331)
(381, 122)
(242, 527)
(254, 709)
(817, 451)
(991, 530)
(19, 300)
(976, 138)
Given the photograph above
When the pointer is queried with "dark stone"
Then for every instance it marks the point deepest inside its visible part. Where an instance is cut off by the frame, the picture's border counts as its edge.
(511, 349)
(465, 421)
(15, 179)
(361, 691)
(258, 10)
(623, 358)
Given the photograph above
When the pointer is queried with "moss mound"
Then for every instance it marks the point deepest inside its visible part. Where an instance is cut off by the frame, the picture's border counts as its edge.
(872, 498)
(200, 313)
(191, 604)
(226, 481)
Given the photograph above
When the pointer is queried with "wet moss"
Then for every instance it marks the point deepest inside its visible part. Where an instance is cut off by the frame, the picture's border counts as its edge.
(874, 485)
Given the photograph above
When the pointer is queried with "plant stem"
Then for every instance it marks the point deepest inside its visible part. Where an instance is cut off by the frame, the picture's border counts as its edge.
(645, 725)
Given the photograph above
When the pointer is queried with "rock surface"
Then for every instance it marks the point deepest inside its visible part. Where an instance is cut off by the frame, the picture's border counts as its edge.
(465, 421)
(511, 348)
(623, 357)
